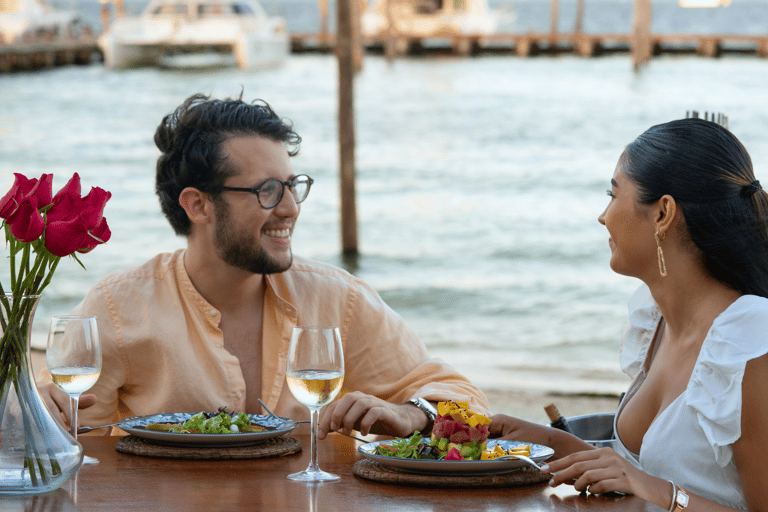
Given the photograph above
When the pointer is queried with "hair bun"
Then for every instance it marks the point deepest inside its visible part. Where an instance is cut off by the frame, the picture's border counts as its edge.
(751, 189)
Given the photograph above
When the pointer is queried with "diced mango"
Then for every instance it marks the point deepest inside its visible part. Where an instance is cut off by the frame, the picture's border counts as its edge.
(443, 408)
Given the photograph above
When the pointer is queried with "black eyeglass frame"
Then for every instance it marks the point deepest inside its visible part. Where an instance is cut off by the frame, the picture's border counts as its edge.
(255, 190)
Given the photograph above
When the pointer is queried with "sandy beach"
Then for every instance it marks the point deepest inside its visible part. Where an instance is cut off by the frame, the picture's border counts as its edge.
(525, 404)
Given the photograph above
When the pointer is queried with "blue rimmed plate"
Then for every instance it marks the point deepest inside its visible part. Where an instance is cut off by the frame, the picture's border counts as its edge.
(539, 454)
(276, 427)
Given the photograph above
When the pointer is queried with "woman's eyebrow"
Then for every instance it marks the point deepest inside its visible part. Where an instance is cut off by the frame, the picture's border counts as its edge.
(613, 183)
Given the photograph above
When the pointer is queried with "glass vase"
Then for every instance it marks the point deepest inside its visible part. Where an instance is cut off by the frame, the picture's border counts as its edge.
(37, 454)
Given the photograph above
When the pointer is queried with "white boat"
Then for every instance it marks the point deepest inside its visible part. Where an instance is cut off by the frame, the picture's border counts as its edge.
(197, 33)
(33, 21)
(428, 18)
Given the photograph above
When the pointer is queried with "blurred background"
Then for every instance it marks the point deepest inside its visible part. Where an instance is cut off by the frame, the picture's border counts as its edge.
(479, 178)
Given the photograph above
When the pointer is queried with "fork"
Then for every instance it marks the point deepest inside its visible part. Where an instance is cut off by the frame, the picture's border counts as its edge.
(306, 421)
(520, 457)
(83, 430)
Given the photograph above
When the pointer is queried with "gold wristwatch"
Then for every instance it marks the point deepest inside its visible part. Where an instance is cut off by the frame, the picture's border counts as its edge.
(679, 499)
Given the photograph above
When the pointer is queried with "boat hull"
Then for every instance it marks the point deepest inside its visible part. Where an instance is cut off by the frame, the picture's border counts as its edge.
(208, 33)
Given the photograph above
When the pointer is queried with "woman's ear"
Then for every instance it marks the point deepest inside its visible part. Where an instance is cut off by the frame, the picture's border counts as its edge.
(666, 215)
(197, 204)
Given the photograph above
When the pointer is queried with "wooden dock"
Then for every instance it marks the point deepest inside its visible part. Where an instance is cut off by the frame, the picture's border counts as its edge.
(47, 54)
(534, 44)
(34, 55)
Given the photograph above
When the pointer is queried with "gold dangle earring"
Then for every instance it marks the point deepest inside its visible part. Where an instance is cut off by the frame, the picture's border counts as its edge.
(662, 263)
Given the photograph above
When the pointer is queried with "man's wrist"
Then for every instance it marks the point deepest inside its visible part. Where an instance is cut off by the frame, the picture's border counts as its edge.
(427, 410)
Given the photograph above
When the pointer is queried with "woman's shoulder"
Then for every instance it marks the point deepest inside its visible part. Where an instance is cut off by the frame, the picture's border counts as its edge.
(748, 314)
(737, 336)
(644, 317)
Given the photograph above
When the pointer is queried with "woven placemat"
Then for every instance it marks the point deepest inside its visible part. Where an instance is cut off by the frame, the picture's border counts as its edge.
(372, 470)
(274, 447)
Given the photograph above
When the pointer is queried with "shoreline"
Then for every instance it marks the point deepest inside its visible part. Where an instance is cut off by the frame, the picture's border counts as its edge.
(526, 404)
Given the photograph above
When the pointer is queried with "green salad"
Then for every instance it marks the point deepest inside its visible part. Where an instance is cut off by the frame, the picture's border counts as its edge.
(210, 423)
(416, 447)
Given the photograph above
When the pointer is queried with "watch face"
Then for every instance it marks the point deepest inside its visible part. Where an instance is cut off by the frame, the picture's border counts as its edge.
(682, 499)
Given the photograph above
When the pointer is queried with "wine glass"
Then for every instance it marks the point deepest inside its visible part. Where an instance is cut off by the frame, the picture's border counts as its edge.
(315, 373)
(73, 356)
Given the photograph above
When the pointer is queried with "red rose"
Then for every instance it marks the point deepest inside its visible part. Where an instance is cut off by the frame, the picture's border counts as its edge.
(76, 223)
(25, 222)
(23, 188)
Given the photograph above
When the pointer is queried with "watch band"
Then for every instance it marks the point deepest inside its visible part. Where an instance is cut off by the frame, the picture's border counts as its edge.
(679, 498)
(427, 408)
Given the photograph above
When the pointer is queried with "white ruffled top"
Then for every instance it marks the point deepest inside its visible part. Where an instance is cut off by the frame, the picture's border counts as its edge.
(690, 441)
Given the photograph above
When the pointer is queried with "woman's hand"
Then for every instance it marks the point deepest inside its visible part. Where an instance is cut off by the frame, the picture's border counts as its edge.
(370, 415)
(600, 471)
(508, 427)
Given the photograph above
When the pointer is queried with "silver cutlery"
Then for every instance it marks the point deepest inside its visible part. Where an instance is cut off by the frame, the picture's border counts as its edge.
(307, 421)
(83, 430)
(520, 457)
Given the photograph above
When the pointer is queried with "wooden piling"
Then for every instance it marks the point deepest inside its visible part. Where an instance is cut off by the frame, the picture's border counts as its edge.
(345, 58)
(358, 7)
(322, 6)
(390, 44)
(554, 13)
(578, 25)
(641, 33)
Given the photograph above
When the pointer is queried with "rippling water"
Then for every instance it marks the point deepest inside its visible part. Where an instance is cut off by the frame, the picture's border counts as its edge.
(479, 184)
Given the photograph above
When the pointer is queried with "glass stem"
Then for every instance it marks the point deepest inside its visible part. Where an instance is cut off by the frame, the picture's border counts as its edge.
(74, 402)
(314, 413)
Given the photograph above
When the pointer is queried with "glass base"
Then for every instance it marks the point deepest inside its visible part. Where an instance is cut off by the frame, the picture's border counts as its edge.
(90, 460)
(312, 476)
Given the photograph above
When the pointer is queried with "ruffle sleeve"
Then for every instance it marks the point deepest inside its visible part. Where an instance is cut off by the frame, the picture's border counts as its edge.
(644, 316)
(738, 335)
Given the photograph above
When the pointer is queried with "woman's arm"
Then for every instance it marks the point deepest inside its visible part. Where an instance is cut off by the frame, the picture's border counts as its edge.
(604, 470)
(507, 427)
(750, 452)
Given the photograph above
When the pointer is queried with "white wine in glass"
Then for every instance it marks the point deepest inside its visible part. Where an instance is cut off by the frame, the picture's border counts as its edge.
(315, 374)
(73, 356)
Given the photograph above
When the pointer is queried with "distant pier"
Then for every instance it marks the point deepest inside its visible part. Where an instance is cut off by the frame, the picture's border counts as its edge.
(42, 54)
(36, 55)
(543, 43)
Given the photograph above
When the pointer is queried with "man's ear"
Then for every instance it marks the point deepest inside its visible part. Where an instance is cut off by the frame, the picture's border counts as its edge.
(197, 204)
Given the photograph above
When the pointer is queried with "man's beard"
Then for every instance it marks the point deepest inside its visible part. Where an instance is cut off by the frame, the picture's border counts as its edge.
(240, 249)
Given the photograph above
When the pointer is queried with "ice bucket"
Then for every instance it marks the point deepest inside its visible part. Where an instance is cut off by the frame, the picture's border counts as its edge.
(596, 429)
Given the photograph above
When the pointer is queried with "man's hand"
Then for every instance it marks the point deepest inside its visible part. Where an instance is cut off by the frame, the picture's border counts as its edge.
(370, 415)
(57, 402)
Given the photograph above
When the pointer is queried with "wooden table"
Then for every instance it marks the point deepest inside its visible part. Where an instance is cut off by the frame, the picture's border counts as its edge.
(122, 482)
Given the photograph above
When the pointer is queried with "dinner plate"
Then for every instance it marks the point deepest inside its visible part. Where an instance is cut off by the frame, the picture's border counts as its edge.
(134, 426)
(539, 453)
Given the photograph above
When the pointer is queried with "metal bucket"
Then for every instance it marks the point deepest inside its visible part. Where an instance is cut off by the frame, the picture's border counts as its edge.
(596, 429)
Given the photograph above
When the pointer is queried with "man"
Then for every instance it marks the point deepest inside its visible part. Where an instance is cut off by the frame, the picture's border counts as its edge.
(209, 325)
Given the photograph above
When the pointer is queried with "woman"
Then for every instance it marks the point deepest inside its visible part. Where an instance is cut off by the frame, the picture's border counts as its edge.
(688, 218)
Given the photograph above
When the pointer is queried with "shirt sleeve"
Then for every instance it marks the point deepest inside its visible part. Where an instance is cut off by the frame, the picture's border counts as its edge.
(644, 317)
(714, 392)
(385, 358)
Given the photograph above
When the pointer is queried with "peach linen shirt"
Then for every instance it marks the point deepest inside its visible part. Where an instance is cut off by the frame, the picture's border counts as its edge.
(164, 352)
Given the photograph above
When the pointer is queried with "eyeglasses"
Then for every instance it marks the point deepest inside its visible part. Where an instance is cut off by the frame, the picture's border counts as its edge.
(270, 193)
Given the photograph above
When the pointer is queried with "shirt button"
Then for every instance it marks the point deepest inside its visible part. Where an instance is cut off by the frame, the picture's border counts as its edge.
(239, 395)
(213, 312)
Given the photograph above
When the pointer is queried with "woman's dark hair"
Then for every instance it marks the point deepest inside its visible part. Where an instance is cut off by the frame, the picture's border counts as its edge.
(709, 173)
(190, 142)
